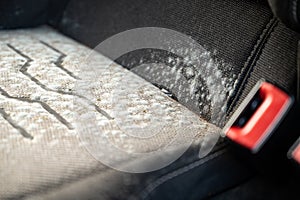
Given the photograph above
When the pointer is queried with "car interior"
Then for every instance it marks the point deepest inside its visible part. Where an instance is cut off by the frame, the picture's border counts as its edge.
(139, 99)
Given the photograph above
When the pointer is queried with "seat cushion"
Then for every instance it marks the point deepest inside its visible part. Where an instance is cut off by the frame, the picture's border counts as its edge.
(48, 138)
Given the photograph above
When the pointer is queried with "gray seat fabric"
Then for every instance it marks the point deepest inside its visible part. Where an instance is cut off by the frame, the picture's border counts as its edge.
(247, 41)
(42, 148)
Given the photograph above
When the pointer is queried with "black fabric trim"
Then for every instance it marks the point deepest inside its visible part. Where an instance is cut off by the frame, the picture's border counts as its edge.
(287, 11)
(202, 179)
(250, 63)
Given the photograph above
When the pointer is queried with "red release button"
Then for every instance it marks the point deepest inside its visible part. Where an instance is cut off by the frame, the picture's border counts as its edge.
(261, 124)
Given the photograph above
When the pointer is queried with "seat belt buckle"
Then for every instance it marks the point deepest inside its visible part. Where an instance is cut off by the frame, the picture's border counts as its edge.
(258, 116)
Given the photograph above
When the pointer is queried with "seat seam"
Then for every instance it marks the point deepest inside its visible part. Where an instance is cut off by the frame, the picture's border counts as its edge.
(294, 10)
(251, 62)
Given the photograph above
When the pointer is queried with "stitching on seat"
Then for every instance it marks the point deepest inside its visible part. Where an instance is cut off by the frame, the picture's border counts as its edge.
(156, 183)
(252, 60)
(294, 10)
(249, 58)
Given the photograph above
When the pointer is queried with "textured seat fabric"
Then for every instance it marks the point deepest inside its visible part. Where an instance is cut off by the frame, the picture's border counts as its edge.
(244, 38)
(227, 29)
(41, 147)
(44, 158)
(237, 33)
